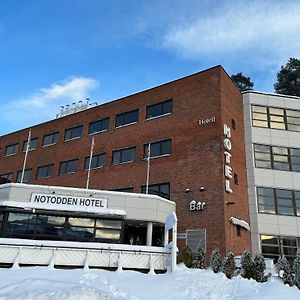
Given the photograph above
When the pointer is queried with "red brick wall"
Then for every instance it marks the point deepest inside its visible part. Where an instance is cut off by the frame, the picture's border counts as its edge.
(196, 161)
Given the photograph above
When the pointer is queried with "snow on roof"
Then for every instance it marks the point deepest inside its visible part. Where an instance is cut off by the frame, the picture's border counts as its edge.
(239, 222)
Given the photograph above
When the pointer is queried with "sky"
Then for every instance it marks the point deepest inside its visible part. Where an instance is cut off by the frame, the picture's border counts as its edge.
(56, 52)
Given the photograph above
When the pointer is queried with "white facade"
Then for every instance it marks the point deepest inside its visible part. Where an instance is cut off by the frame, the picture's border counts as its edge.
(278, 131)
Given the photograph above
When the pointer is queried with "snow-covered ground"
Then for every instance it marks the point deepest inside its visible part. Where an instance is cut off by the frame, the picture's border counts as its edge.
(41, 283)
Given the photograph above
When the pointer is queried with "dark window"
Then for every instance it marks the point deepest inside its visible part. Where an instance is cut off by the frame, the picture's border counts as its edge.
(98, 126)
(158, 148)
(45, 171)
(32, 144)
(27, 175)
(238, 230)
(7, 176)
(73, 133)
(127, 118)
(50, 139)
(160, 189)
(236, 179)
(69, 166)
(159, 109)
(97, 161)
(123, 155)
(125, 190)
(233, 123)
(11, 149)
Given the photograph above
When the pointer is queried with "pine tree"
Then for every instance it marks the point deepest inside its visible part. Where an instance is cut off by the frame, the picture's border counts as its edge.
(281, 264)
(215, 261)
(260, 267)
(229, 265)
(296, 270)
(247, 265)
(287, 273)
(199, 259)
(187, 257)
(244, 83)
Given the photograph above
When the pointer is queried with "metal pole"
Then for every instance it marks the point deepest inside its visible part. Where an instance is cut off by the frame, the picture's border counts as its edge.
(90, 163)
(148, 168)
(26, 153)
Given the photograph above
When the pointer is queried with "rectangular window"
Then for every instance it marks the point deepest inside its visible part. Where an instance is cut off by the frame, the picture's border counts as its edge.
(125, 190)
(7, 176)
(45, 171)
(27, 175)
(127, 118)
(69, 166)
(98, 126)
(259, 116)
(266, 200)
(159, 109)
(159, 148)
(160, 189)
(196, 239)
(11, 149)
(262, 156)
(98, 161)
(123, 156)
(73, 133)
(50, 139)
(32, 145)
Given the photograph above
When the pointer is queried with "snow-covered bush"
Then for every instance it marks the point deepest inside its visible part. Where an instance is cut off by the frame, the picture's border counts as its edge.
(229, 265)
(260, 267)
(215, 261)
(296, 270)
(247, 265)
(187, 256)
(287, 272)
(199, 259)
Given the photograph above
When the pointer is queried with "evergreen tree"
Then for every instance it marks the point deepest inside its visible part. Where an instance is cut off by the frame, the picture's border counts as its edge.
(260, 267)
(287, 274)
(215, 261)
(243, 83)
(296, 270)
(199, 259)
(247, 265)
(288, 78)
(187, 256)
(281, 264)
(229, 265)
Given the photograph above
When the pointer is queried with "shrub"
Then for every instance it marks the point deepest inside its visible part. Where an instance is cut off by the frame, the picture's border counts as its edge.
(229, 265)
(215, 261)
(187, 257)
(260, 267)
(247, 265)
(296, 270)
(199, 259)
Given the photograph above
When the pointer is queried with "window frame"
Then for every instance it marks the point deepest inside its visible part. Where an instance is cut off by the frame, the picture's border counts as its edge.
(45, 166)
(71, 138)
(159, 193)
(15, 149)
(19, 173)
(160, 143)
(162, 104)
(99, 121)
(67, 162)
(98, 155)
(55, 138)
(30, 146)
(121, 153)
(123, 116)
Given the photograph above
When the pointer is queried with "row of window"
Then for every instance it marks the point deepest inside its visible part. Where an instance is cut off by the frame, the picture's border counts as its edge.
(277, 158)
(123, 119)
(275, 118)
(273, 246)
(278, 201)
(51, 227)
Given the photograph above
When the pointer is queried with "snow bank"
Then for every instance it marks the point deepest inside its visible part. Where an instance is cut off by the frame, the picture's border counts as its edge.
(38, 283)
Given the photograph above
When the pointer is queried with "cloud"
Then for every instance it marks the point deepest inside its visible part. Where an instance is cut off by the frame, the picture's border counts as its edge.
(45, 103)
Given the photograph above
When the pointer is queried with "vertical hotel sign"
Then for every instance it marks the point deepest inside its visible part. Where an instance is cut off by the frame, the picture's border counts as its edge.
(227, 167)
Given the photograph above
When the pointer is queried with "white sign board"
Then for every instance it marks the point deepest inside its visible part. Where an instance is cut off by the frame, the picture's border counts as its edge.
(68, 202)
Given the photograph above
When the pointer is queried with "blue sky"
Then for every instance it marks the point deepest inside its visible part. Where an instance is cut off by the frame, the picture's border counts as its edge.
(54, 52)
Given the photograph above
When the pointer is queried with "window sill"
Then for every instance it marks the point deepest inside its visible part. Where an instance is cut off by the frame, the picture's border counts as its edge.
(8, 155)
(121, 126)
(156, 117)
(75, 138)
(101, 131)
(44, 178)
(159, 156)
(66, 173)
(49, 145)
(94, 168)
(123, 163)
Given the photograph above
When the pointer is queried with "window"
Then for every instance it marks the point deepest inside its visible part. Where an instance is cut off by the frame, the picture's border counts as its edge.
(277, 158)
(108, 230)
(275, 246)
(160, 189)
(127, 118)
(27, 175)
(275, 118)
(73, 133)
(67, 167)
(32, 145)
(233, 124)
(50, 139)
(7, 176)
(278, 201)
(159, 109)
(98, 126)
(80, 229)
(11, 149)
(196, 239)
(236, 179)
(45, 171)
(97, 161)
(123, 156)
(125, 190)
(159, 148)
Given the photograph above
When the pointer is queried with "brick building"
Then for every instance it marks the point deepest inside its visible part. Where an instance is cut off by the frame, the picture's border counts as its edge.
(189, 123)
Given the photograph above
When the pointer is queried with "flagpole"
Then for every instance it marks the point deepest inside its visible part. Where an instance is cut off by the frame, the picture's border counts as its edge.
(148, 168)
(90, 163)
(26, 153)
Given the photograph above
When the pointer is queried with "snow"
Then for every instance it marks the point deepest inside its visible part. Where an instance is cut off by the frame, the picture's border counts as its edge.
(42, 283)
